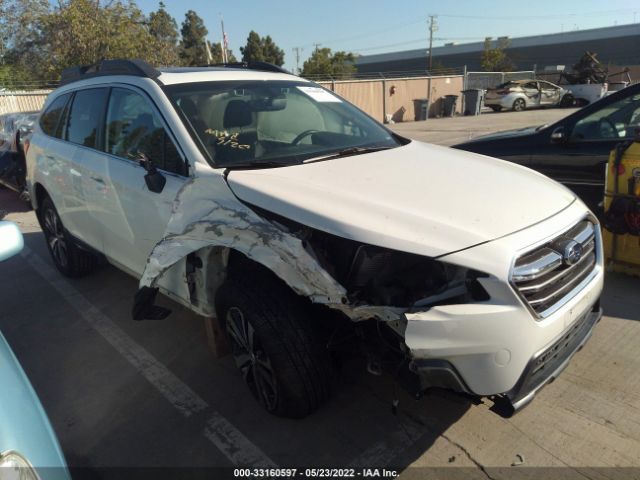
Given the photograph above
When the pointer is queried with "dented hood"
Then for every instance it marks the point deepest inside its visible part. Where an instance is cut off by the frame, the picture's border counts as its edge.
(418, 198)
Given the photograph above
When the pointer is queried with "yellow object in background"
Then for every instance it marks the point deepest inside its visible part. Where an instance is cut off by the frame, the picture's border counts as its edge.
(622, 251)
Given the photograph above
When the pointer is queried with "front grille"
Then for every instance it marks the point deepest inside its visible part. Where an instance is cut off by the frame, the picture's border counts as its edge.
(546, 277)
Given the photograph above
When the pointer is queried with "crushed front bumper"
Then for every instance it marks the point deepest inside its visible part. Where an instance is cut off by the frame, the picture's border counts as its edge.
(541, 370)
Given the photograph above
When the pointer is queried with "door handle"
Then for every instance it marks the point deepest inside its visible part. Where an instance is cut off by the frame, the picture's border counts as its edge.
(97, 180)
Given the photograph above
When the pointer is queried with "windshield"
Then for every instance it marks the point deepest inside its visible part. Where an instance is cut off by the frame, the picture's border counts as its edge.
(249, 123)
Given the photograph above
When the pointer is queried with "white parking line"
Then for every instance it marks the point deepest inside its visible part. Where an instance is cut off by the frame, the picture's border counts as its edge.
(218, 430)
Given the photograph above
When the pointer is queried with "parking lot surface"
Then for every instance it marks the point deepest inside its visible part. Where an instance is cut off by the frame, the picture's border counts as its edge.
(121, 393)
(449, 131)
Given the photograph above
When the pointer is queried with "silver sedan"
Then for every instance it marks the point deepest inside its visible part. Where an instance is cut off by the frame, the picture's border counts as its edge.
(518, 95)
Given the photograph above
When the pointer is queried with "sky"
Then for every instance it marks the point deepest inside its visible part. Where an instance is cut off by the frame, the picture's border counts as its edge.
(377, 26)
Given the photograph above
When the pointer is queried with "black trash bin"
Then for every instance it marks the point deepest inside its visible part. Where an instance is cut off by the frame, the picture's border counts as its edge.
(421, 106)
(449, 105)
(473, 101)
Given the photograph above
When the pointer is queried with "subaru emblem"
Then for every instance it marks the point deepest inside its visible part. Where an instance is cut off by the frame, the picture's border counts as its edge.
(572, 252)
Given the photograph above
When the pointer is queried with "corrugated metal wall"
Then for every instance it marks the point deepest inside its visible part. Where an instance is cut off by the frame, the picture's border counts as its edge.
(375, 97)
(367, 95)
(11, 102)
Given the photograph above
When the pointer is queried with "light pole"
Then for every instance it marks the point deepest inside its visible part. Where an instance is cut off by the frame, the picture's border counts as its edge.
(432, 28)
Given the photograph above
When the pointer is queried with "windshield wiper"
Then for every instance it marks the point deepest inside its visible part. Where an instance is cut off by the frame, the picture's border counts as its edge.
(265, 164)
(346, 152)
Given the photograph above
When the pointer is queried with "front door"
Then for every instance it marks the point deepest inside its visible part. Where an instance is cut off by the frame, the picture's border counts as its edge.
(580, 162)
(532, 93)
(549, 94)
(133, 217)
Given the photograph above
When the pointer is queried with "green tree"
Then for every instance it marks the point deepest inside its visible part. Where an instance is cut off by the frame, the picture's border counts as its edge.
(324, 63)
(20, 33)
(216, 54)
(84, 32)
(164, 29)
(193, 50)
(495, 59)
(262, 49)
(13, 79)
(271, 52)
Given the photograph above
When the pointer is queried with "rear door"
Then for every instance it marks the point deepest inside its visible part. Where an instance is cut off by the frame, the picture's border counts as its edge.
(133, 217)
(83, 136)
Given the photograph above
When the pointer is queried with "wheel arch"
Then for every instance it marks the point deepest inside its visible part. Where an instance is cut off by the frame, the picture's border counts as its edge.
(39, 194)
(208, 268)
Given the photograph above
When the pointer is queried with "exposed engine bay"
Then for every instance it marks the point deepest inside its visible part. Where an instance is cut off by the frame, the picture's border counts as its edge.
(379, 276)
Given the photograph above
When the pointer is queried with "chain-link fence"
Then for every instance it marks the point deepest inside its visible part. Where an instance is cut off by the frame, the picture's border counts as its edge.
(436, 72)
(487, 80)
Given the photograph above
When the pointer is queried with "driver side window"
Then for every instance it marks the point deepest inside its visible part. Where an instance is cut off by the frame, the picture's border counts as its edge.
(133, 128)
(620, 119)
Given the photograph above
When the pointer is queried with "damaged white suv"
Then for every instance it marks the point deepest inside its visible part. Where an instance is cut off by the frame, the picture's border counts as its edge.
(305, 226)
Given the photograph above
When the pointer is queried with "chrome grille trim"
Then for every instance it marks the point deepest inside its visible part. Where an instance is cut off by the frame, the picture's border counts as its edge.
(545, 281)
(535, 287)
(541, 262)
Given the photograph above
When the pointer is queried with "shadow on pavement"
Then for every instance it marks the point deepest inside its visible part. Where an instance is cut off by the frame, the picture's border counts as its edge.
(620, 298)
(11, 203)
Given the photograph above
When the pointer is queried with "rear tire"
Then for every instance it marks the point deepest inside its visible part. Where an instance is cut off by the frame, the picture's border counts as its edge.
(519, 105)
(68, 258)
(495, 108)
(274, 345)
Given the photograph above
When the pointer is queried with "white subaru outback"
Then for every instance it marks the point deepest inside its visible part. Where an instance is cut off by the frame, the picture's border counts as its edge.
(305, 226)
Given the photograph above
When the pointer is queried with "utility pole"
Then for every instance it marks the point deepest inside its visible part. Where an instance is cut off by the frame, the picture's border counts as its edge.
(297, 50)
(432, 28)
(317, 45)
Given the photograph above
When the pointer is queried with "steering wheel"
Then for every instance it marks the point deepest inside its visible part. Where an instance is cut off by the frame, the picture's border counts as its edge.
(302, 135)
(607, 129)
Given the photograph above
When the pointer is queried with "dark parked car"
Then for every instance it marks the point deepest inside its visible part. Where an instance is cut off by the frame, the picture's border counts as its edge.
(574, 150)
(15, 132)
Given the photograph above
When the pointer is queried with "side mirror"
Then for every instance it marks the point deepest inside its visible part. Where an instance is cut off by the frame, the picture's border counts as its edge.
(11, 241)
(154, 179)
(559, 135)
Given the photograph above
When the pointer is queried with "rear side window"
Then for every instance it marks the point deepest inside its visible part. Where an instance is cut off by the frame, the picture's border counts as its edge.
(50, 118)
(85, 116)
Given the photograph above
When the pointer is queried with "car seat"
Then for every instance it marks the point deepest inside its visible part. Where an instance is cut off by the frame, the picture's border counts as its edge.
(238, 120)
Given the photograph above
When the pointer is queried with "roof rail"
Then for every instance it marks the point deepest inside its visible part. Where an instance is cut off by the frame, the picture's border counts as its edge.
(138, 68)
(263, 66)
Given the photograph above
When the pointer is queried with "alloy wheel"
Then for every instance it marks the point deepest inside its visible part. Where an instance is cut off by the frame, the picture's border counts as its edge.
(251, 359)
(519, 105)
(54, 233)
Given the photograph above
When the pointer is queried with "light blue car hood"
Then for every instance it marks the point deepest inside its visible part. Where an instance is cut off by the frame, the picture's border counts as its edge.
(24, 426)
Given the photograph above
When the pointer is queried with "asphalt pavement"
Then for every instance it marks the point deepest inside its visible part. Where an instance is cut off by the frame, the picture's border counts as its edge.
(121, 393)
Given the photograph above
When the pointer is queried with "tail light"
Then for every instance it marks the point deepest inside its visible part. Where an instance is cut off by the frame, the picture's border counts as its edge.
(26, 146)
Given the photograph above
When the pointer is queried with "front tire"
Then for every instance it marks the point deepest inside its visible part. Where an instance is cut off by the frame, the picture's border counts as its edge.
(519, 105)
(567, 101)
(68, 258)
(274, 345)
